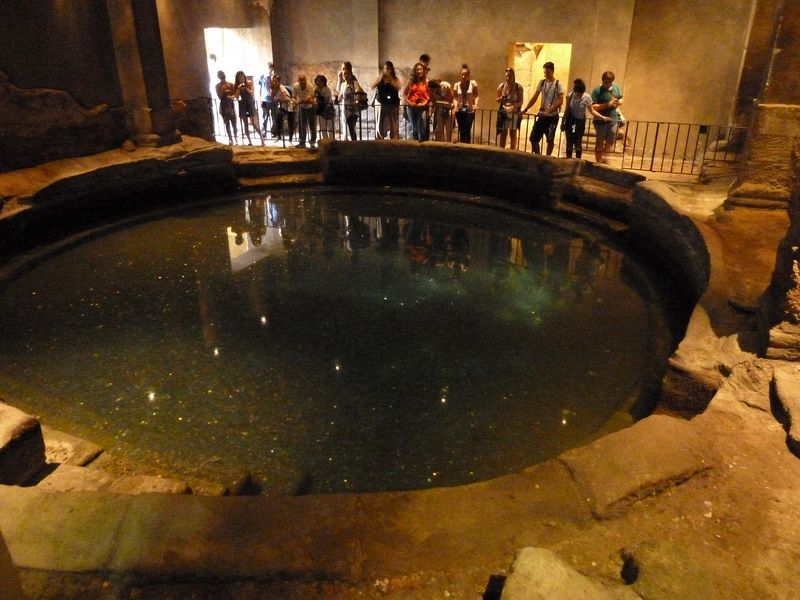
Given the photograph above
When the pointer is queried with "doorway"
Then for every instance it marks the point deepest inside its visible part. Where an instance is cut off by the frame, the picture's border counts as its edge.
(527, 59)
(236, 49)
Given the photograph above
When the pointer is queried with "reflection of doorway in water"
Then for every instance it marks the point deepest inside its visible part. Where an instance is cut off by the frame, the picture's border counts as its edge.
(230, 50)
(527, 59)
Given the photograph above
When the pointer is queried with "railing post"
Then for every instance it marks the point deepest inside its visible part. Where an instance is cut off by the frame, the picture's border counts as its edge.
(655, 145)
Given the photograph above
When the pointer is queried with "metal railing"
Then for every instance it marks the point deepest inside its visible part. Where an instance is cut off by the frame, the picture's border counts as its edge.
(657, 147)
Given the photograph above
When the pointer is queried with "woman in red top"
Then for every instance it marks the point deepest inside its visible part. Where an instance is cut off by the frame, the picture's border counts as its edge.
(417, 99)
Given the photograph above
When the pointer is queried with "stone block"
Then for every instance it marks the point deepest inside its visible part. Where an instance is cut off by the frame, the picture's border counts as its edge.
(22, 453)
(786, 388)
(68, 478)
(67, 449)
(539, 574)
(148, 484)
(643, 460)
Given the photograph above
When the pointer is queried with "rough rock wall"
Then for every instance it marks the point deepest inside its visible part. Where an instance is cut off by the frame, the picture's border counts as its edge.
(40, 125)
(60, 44)
(780, 303)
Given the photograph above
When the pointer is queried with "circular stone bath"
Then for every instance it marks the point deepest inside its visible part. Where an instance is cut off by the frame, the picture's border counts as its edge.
(327, 342)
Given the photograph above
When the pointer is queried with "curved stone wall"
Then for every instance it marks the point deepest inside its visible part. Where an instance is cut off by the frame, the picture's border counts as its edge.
(626, 204)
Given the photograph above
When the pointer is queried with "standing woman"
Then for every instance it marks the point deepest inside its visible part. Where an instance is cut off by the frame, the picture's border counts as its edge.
(417, 99)
(574, 123)
(442, 103)
(325, 110)
(348, 86)
(509, 96)
(388, 94)
(465, 93)
(247, 106)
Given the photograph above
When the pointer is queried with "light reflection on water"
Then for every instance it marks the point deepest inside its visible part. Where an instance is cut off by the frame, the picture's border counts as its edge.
(330, 343)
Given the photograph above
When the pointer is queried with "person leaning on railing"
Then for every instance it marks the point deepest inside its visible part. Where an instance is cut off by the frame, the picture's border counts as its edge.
(606, 99)
(387, 91)
(282, 101)
(347, 88)
(465, 100)
(305, 102)
(574, 123)
(509, 97)
(325, 111)
(442, 102)
(417, 99)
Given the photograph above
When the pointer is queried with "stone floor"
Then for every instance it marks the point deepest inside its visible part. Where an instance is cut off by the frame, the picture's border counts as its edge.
(668, 508)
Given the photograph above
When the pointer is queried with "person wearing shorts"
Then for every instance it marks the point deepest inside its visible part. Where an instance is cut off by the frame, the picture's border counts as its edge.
(552, 93)
(606, 99)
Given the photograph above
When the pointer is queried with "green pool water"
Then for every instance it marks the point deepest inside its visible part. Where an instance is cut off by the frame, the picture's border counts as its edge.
(331, 343)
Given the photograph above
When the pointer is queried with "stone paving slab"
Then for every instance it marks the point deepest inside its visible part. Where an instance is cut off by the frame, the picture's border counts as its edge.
(238, 537)
(631, 464)
(404, 532)
(339, 537)
(61, 532)
(69, 478)
(540, 574)
(68, 449)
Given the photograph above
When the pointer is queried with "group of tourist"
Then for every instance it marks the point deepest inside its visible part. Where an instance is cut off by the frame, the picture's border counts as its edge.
(311, 107)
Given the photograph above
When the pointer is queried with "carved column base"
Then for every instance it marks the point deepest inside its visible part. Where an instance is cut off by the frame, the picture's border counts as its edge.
(766, 176)
(155, 128)
(155, 140)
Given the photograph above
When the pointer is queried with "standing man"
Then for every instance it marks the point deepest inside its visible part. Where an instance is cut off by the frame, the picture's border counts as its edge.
(552, 93)
(225, 92)
(265, 95)
(606, 99)
(303, 95)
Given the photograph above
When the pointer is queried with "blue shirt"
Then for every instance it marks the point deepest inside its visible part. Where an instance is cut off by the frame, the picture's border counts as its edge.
(601, 95)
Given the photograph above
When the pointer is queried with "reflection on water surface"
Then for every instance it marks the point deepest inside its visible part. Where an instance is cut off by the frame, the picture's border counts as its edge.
(328, 343)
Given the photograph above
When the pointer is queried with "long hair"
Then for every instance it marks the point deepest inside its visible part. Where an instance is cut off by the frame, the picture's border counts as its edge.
(243, 76)
(510, 86)
(414, 77)
(390, 65)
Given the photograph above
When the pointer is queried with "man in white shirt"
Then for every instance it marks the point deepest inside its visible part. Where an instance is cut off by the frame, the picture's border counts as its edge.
(305, 101)
(552, 93)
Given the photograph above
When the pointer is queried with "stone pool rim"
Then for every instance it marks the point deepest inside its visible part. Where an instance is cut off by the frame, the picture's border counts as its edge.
(523, 184)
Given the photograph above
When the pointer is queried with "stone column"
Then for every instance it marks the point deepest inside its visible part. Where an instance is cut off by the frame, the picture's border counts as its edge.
(766, 175)
(141, 69)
